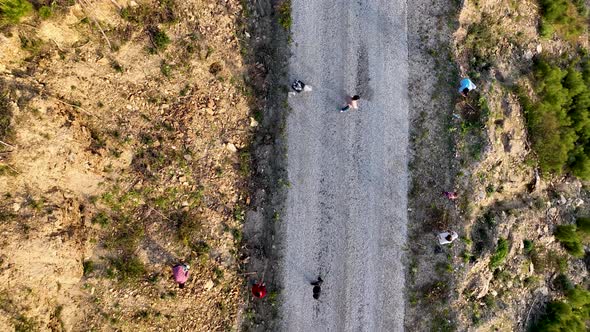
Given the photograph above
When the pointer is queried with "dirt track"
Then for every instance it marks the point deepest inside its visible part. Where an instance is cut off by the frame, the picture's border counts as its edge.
(347, 205)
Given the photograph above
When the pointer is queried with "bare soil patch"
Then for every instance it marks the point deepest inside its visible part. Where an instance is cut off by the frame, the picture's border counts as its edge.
(129, 151)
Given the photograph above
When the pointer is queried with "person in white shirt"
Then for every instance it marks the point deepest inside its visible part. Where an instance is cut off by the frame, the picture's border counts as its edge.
(447, 237)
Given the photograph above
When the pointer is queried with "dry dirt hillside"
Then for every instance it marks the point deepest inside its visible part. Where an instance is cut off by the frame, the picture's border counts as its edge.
(125, 129)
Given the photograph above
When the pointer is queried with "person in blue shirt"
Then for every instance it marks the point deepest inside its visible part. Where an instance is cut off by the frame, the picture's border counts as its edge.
(466, 86)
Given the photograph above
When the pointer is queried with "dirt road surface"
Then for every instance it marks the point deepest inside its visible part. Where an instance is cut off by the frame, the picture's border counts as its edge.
(346, 206)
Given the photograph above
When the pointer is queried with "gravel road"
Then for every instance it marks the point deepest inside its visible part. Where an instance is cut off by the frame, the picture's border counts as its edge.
(347, 205)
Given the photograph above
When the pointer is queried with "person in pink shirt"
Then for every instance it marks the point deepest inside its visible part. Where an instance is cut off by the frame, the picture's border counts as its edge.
(180, 273)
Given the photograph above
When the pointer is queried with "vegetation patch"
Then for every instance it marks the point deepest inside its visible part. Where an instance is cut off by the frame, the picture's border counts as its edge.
(571, 314)
(566, 17)
(285, 14)
(571, 236)
(500, 255)
(559, 120)
(11, 11)
(5, 116)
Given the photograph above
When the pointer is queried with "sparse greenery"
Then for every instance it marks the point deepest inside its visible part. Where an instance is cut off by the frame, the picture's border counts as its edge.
(529, 246)
(500, 255)
(11, 11)
(165, 69)
(5, 116)
(559, 122)
(285, 19)
(127, 268)
(188, 226)
(101, 218)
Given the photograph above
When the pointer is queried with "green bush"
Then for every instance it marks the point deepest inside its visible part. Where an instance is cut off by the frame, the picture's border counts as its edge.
(559, 122)
(45, 12)
(500, 255)
(529, 246)
(565, 16)
(572, 314)
(569, 239)
(563, 283)
(583, 228)
(159, 38)
(11, 11)
(554, 11)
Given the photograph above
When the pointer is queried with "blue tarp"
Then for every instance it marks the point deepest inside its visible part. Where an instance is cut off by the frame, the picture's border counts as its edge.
(466, 83)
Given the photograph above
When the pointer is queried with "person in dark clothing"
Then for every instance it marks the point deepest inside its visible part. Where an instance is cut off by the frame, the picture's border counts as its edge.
(317, 289)
(299, 86)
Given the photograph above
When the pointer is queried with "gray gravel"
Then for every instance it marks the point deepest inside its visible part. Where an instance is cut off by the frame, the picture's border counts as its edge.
(347, 205)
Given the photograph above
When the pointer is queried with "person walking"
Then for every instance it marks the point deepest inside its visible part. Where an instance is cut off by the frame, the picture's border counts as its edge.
(317, 289)
(180, 273)
(447, 237)
(352, 102)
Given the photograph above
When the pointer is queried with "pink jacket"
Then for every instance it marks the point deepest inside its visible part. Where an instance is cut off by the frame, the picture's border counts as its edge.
(180, 274)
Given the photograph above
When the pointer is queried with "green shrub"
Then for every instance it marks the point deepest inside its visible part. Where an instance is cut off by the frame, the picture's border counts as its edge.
(583, 228)
(563, 283)
(564, 16)
(529, 246)
(101, 218)
(500, 255)
(569, 239)
(559, 122)
(572, 314)
(45, 12)
(128, 268)
(88, 267)
(159, 38)
(11, 11)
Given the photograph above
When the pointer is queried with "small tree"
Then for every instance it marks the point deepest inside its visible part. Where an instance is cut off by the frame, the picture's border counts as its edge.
(569, 239)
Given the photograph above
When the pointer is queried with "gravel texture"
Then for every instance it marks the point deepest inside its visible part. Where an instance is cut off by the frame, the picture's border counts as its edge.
(347, 202)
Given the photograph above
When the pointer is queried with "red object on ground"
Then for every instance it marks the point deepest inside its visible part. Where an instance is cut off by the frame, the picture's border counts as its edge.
(259, 290)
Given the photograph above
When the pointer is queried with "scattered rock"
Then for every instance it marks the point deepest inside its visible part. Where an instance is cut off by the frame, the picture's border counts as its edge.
(544, 291)
(15, 207)
(209, 285)
(562, 200)
(231, 147)
(539, 48)
(253, 122)
(188, 157)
